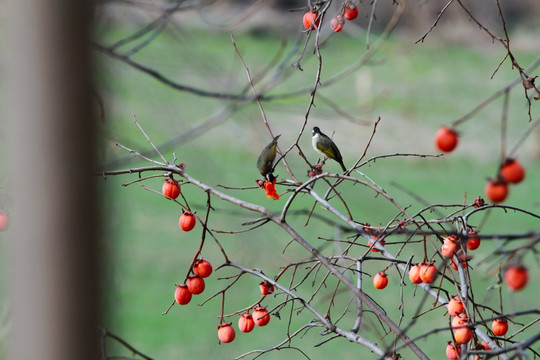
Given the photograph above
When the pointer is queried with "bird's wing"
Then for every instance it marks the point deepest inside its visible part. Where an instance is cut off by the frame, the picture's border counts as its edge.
(331, 151)
(324, 150)
(266, 158)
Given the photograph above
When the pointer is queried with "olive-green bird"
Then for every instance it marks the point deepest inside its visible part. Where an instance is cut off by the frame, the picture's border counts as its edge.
(326, 147)
(265, 162)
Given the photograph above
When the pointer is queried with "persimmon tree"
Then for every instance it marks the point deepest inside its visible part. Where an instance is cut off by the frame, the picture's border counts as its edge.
(430, 250)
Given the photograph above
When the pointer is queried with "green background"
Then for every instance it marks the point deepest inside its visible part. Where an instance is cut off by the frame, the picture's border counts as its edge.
(413, 88)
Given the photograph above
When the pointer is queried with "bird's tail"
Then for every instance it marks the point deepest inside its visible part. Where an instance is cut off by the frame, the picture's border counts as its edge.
(343, 166)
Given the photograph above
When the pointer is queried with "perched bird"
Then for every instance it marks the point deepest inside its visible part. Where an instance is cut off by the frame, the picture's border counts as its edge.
(265, 162)
(326, 147)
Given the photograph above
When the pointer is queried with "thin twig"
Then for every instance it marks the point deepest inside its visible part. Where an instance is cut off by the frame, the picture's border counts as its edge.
(150, 141)
(439, 15)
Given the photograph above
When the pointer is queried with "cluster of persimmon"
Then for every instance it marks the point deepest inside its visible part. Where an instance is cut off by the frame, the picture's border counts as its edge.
(510, 172)
(425, 272)
(202, 268)
(171, 190)
(247, 321)
(259, 317)
(195, 283)
(516, 276)
(461, 328)
(453, 350)
(451, 246)
(348, 11)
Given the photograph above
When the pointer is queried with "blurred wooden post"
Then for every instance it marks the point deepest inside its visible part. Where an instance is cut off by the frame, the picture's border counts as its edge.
(52, 248)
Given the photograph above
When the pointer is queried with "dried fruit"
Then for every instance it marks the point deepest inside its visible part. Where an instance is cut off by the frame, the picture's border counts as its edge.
(226, 333)
(446, 139)
(187, 221)
(478, 202)
(261, 316)
(203, 268)
(182, 294)
(380, 280)
(516, 277)
(528, 83)
(246, 323)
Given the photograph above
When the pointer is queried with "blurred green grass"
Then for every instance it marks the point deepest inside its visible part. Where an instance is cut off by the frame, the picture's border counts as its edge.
(414, 88)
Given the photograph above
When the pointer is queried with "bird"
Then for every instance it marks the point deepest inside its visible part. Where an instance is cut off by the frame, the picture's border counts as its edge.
(326, 147)
(265, 162)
